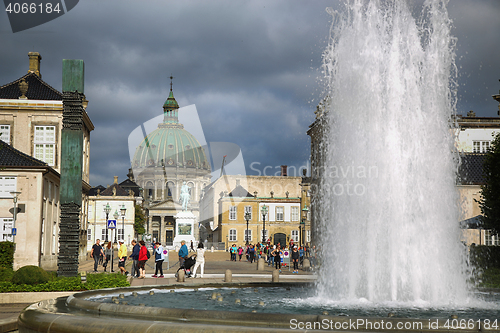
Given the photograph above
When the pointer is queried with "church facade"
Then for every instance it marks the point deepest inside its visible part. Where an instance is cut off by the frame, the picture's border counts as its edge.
(168, 162)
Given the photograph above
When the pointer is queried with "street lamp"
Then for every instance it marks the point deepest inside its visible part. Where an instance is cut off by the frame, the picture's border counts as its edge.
(107, 209)
(115, 215)
(305, 210)
(247, 217)
(123, 210)
(264, 212)
(14, 194)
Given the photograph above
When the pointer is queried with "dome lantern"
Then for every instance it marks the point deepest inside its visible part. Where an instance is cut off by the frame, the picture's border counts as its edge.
(171, 108)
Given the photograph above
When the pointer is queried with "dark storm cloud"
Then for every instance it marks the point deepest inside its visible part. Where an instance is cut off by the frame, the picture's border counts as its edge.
(250, 67)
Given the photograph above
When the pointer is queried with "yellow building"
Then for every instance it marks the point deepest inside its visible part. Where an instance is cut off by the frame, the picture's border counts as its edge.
(227, 201)
(31, 113)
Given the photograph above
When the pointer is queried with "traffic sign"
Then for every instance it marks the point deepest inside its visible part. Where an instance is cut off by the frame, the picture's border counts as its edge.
(111, 224)
(14, 231)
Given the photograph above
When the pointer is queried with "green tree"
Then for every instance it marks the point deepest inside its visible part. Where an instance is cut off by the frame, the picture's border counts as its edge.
(139, 221)
(490, 191)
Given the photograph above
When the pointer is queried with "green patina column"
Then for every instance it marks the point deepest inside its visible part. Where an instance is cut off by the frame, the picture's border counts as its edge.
(71, 166)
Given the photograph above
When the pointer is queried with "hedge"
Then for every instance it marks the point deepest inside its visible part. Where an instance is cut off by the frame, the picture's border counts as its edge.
(94, 281)
(483, 256)
(7, 254)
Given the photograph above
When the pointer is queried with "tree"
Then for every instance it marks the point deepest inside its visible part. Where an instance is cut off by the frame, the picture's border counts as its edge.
(490, 191)
(139, 221)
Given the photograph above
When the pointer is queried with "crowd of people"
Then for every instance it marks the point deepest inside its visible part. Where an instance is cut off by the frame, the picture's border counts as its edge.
(103, 255)
(274, 254)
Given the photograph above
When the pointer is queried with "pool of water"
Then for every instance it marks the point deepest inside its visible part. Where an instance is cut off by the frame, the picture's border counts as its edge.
(304, 300)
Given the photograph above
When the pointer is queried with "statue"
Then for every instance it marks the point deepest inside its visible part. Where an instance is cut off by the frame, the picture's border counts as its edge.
(185, 196)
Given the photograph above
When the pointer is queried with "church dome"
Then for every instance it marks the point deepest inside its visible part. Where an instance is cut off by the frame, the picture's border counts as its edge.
(170, 145)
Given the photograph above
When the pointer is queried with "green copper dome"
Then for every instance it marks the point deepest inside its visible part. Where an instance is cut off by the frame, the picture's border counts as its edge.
(170, 145)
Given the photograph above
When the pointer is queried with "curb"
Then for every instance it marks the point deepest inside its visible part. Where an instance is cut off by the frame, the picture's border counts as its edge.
(8, 325)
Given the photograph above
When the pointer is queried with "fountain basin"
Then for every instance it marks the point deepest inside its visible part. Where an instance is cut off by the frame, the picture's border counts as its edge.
(77, 313)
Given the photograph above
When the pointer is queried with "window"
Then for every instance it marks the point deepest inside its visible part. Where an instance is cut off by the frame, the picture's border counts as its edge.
(295, 213)
(279, 213)
(490, 239)
(45, 144)
(103, 235)
(232, 235)
(5, 133)
(295, 236)
(308, 236)
(232, 213)
(248, 209)
(155, 236)
(6, 229)
(7, 185)
(89, 234)
(249, 236)
(120, 234)
(54, 238)
(481, 146)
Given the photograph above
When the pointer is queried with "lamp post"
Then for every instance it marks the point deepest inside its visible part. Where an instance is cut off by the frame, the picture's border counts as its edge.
(247, 217)
(115, 215)
(14, 194)
(107, 209)
(264, 212)
(305, 210)
(123, 210)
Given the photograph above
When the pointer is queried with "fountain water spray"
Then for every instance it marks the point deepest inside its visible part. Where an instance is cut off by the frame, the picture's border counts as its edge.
(389, 213)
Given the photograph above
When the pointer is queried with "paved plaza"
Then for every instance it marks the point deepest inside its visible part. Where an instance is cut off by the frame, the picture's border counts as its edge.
(216, 264)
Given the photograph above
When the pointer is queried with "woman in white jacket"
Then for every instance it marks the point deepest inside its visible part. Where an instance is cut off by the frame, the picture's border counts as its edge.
(200, 259)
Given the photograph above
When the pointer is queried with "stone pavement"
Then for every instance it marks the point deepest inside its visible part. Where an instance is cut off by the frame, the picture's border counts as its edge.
(216, 264)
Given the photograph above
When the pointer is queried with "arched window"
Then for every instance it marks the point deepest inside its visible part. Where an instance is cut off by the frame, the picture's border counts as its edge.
(170, 189)
(149, 188)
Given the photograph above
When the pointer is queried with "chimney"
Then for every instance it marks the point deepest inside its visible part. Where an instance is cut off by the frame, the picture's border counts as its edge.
(284, 170)
(116, 180)
(35, 58)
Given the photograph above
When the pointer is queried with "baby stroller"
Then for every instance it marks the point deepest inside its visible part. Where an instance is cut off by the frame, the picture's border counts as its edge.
(187, 266)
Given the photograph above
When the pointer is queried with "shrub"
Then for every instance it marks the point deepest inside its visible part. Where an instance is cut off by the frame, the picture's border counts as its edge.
(7, 254)
(484, 257)
(6, 274)
(30, 275)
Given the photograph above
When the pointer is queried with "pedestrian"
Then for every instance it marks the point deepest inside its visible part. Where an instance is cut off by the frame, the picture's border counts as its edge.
(234, 251)
(295, 259)
(143, 257)
(192, 246)
(183, 253)
(251, 253)
(277, 257)
(101, 257)
(313, 256)
(240, 252)
(107, 254)
(200, 260)
(122, 257)
(301, 255)
(159, 258)
(135, 258)
(96, 253)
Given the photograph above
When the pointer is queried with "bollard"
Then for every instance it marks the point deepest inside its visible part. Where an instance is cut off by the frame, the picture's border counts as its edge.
(306, 265)
(229, 276)
(181, 275)
(260, 264)
(276, 276)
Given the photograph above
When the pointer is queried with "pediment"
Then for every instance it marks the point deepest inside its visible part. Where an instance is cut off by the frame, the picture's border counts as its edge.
(167, 205)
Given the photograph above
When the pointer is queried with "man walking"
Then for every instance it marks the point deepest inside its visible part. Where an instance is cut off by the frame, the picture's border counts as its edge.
(122, 257)
(135, 258)
(96, 253)
(183, 253)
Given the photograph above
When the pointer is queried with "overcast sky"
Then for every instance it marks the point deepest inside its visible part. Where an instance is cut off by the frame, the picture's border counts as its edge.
(251, 68)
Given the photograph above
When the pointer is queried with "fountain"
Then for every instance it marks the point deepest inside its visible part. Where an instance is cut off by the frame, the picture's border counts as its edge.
(389, 216)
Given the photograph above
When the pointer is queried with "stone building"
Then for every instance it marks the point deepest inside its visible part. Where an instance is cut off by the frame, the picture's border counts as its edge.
(31, 113)
(118, 201)
(226, 201)
(167, 158)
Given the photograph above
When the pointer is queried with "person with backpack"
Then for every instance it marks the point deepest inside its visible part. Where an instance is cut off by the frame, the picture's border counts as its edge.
(143, 257)
(159, 258)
